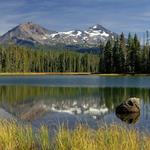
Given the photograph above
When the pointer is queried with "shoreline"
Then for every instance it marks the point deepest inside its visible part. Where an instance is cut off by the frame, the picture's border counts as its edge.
(68, 73)
(42, 73)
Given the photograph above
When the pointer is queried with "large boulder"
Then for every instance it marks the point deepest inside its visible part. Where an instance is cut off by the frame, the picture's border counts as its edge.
(131, 105)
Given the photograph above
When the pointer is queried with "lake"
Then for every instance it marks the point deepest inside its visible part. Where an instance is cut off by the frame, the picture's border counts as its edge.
(68, 100)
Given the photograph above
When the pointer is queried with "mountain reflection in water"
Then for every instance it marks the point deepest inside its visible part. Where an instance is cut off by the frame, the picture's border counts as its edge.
(71, 105)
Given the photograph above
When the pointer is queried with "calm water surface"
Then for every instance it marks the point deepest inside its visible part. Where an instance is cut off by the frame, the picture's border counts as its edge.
(68, 100)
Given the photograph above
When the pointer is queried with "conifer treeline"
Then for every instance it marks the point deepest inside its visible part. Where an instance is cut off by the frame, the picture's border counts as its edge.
(117, 56)
(21, 59)
(125, 56)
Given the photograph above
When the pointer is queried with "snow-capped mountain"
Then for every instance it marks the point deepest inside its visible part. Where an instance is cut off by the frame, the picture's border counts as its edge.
(93, 36)
(32, 34)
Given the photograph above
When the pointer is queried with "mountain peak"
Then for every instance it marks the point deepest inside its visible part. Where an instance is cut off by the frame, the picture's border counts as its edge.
(32, 27)
(27, 23)
(27, 33)
(97, 27)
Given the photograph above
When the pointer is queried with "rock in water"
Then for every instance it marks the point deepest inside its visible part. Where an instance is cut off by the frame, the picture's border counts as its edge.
(131, 105)
(130, 118)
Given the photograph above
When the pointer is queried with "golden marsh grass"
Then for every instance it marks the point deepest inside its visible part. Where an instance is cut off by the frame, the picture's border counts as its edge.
(113, 137)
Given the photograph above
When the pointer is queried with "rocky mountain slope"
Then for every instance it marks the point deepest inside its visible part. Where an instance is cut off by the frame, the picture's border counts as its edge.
(32, 34)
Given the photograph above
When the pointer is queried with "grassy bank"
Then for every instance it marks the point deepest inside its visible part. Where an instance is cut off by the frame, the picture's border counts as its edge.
(67, 73)
(14, 137)
(43, 73)
(118, 75)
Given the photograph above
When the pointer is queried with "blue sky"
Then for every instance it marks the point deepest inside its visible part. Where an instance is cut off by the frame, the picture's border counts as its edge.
(63, 15)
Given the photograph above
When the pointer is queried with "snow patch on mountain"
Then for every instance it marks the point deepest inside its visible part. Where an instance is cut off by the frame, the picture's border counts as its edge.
(105, 34)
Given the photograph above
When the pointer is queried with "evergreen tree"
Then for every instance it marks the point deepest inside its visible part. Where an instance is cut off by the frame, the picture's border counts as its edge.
(108, 57)
(116, 56)
(122, 53)
(136, 48)
(129, 54)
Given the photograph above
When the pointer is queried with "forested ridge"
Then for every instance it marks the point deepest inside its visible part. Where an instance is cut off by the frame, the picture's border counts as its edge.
(121, 55)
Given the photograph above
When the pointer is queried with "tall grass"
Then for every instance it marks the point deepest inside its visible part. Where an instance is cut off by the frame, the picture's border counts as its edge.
(106, 138)
(114, 137)
(13, 137)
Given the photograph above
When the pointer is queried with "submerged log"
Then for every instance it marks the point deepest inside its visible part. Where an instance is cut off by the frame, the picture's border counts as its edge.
(131, 105)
